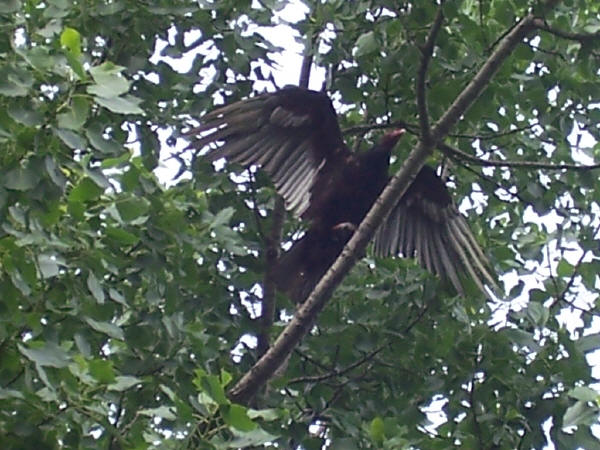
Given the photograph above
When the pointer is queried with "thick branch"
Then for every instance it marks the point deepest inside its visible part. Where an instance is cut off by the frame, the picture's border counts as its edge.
(459, 154)
(427, 53)
(307, 312)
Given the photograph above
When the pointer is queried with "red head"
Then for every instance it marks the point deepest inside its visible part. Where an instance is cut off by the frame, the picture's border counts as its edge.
(390, 138)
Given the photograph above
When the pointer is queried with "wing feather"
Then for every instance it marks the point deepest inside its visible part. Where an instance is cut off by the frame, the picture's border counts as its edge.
(292, 134)
(426, 224)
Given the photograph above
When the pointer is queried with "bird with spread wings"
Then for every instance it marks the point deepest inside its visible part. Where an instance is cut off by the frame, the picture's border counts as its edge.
(294, 136)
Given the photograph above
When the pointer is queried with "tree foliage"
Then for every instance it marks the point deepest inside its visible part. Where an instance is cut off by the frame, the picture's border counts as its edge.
(131, 300)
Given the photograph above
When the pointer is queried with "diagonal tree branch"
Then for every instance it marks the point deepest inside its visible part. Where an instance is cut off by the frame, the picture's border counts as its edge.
(307, 312)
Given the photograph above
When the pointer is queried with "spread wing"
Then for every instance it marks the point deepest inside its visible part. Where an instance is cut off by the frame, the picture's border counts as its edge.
(425, 224)
(292, 134)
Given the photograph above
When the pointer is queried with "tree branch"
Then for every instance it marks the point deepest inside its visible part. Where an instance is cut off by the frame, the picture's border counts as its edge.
(453, 152)
(338, 372)
(361, 129)
(306, 64)
(427, 53)
(583, 38)
(271, 256)
(273, 240)
(306, 314)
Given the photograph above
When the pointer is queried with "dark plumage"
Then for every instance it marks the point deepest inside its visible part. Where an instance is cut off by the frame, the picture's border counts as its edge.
(293, 134)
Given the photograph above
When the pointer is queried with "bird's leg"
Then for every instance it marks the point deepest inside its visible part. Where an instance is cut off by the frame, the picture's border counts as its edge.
(343, 231)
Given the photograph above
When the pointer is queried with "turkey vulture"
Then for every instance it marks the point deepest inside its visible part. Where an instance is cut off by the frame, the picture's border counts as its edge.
(293, 134)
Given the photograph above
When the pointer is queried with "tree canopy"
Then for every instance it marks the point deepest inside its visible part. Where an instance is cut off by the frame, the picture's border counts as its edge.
(138, 306)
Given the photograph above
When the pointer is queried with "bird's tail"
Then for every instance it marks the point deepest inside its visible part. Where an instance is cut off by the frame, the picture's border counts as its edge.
(296, 274)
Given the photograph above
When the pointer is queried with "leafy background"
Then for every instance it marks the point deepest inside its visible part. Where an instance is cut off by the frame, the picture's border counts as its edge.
(130, 302)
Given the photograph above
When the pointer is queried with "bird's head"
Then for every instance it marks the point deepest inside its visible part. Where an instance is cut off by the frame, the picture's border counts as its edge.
(390, 138)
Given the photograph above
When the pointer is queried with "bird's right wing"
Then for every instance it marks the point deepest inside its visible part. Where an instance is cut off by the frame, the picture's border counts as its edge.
(291, 134)
(425, 224)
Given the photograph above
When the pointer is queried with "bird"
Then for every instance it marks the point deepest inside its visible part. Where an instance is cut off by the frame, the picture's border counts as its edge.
(293, 134)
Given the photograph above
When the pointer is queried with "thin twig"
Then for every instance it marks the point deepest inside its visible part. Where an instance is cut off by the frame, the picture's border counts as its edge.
(472, 401)
(427, 53)
(541, 24)
(459, 154)
(339, 372)
(273, 240)
(271, 257)
(561, 297)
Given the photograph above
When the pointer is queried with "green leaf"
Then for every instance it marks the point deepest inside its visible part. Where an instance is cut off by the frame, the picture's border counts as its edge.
(365, 44)
(71, 139)
(107, 328)
(122, 236)
(11, 393)
(10, 6)
(255, 437)
(71, 39)
(102, 370)
(235, 416)
(21, 179)
(521, 338)
(76, 115)
(131, 209)
(222, 217)
(584, 393)
(26, 114)
(564, 269)
(588, 343)
(105, 145)
(111, 87)
(75, 64)
(106, 72)
(211, 385)
(121, 105)
(578, 414)
(95, 288)
(164, 412)
(15, 81)
(124, 382)
(538, 313)
(265, 414)
(48, 265)
(86, 190)
(377, 430)
(45, 354)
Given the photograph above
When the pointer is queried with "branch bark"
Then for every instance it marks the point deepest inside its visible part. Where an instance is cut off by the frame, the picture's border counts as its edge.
(307, 312)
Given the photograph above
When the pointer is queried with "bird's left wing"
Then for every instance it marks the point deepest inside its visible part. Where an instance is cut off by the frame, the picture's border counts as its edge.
(291, 134)
(426, 224)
